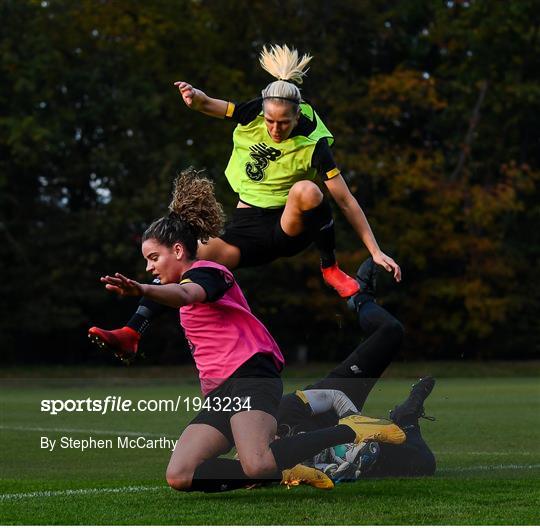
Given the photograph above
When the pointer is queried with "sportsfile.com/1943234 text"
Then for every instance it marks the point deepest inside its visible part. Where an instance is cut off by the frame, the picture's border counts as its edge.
(120, 404)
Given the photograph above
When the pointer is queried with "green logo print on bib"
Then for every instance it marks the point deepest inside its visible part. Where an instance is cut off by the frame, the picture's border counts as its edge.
(262, 155)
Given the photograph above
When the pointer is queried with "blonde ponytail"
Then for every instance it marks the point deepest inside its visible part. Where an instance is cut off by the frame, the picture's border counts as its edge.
(284, 64)
(287, 67)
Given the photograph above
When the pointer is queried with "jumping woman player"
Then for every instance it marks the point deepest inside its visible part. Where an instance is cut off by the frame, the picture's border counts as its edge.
(239, 362)
(280, 148)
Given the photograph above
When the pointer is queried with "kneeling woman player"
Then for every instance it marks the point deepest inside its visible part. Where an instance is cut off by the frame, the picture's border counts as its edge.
(239, 362)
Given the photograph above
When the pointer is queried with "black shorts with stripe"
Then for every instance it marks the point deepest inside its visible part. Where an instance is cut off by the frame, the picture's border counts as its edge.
(255, 386)
(257, 232)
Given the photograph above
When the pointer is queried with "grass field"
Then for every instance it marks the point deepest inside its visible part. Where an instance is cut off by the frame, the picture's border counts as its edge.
(486, 440)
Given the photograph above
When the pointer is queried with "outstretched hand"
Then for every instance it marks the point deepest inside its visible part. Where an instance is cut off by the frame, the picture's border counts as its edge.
(389, 264)
(122, 285)
(189, 94)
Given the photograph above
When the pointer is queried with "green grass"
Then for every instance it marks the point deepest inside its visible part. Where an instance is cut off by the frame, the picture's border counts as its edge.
(485, 440)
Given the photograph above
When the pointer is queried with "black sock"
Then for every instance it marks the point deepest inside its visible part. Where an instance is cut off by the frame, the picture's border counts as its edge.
(225, 474)
(146, 311)
(291, 450)
(320, 224)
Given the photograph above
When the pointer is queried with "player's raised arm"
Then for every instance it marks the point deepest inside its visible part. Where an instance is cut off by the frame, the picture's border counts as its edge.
(356, 217)
(197, 100)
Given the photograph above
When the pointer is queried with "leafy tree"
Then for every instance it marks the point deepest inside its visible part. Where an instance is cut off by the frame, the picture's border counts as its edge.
(434, 107)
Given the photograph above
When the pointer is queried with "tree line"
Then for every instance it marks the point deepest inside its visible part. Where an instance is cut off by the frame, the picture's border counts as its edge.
(435, 107)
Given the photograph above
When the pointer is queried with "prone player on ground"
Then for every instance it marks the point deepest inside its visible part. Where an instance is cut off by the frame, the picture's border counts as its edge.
(345, 389)
(301, 411)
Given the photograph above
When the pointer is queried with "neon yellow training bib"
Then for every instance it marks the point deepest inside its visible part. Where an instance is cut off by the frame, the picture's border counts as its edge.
(262, 171)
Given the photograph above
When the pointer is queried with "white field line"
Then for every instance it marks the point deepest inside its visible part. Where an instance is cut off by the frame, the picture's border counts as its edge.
(484, 453)
(85, 431)
(488, 468)
(85, 491)
(137, 489)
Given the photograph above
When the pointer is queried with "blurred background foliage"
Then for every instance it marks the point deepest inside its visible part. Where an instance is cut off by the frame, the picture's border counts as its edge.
(435, 107)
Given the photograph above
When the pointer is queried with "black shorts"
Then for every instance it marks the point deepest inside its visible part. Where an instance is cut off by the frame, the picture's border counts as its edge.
(256, 385)
(258, 234)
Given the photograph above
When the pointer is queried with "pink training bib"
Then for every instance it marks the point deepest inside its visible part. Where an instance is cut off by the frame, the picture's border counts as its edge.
(224, 334)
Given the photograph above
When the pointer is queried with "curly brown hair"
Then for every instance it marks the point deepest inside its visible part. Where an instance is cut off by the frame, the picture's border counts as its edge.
(195, 203)
(195, 214)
